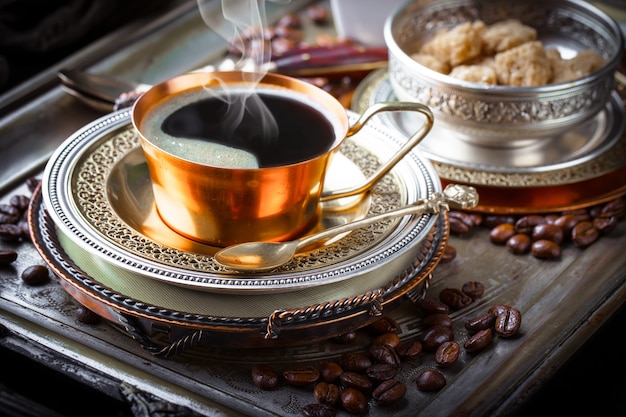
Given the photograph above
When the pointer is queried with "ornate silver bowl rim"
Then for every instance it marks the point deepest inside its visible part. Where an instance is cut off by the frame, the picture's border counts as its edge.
(499, 115)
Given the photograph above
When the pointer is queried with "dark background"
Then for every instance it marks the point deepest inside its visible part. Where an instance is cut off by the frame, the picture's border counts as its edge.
(36, 34)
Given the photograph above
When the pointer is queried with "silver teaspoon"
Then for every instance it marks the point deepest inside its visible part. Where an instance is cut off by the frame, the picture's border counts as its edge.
(262, 256)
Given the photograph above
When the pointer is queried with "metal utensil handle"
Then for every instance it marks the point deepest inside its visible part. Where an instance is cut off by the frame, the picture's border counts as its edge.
(405, 149)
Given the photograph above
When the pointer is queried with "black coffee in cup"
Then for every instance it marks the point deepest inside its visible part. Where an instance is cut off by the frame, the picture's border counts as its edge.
(237, 128)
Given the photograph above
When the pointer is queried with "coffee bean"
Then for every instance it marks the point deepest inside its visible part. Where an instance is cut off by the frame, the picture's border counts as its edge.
(545, 249)
(501, 233)
(449, 253)
(319, 410)
(519, 244)
(614, 208)
(390, 391)
(85, 315)
(301, 376)
(325, 393)
(479, 340)
(481, 322)
(10, 233)
(605, 224)
(494, 220)
(389, 339)
(457, 226)
(431, 306)
(584, 234)
(32, 183)
(384, 354)
(475, 289)
(526, 224)
(465, 218)
(381, 371)
(549, 232)
(441, 319)
(567, 223)
(7, 256)
(265, 377)
(20, 202)
(447, 354)
(36, 275)
(345, 338)
(435, 336)
(330, 371)
(355, 361)
(409, 350)
(356, 380)
(354, 401)
(383, 325)
(454, 298)
(508, 323)
(430, 380)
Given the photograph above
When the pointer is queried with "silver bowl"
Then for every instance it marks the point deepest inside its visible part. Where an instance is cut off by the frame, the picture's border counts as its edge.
(498, 115)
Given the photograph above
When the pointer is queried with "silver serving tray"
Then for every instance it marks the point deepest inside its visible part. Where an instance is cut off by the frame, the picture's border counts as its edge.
(97, 190)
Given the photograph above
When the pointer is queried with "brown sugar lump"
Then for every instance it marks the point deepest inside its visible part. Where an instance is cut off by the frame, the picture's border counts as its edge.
(506, 34)
(526, 65)
(482, 74)
(457, 45)
(431, 62)
(581, 65)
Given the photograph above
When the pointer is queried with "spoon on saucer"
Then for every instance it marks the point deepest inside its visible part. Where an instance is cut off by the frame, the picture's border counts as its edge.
(262, 256)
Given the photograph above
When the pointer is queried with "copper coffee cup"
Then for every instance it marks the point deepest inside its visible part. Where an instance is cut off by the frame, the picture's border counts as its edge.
(223, 206)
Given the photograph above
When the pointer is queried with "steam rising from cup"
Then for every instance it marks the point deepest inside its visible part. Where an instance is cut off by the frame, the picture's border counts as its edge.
(242, 23)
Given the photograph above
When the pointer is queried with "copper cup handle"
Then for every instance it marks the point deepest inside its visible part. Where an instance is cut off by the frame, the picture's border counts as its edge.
(405, 149)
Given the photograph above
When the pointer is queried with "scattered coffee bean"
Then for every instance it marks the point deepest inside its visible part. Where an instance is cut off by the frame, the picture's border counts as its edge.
(447, 353)
(318, 410)
(383, 325)
(481, 322)
(508, 323)
(265, 377)
(584, 234)
(10, 232)
(354, 401)
(330, 372)
(441, 319)
(435, 336)
(430, 380)
(519, 244)
(548, 231)
(449, 253)
(432, 306)
(355, 361)
(85, 315)
(36, 275)
(301, 376)
(475, 289)
(381, 371)
(545, 249)
(454, 298)
(457, 226)
(325, 393)
(389, 391)
(384, 354)
(345, 338)
(7, 256)
(501, 233)
(479, 340)
(390, 339)
(409, 350)
(526, 224)
(356, 380)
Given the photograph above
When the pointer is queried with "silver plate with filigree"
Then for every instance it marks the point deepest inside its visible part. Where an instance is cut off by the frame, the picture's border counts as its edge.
(97, 190)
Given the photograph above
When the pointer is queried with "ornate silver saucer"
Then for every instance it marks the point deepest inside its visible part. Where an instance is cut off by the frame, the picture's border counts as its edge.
(169, 319)
(583, 166)
(97, 190)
